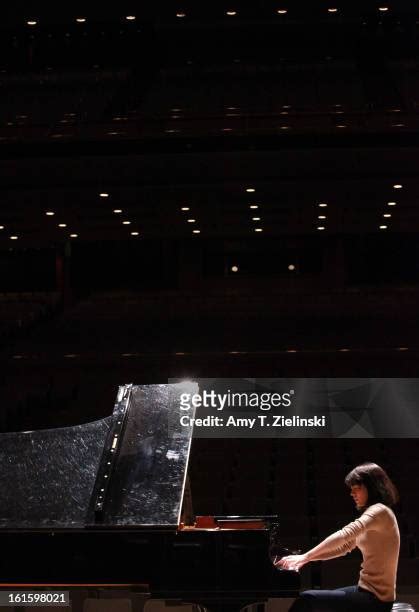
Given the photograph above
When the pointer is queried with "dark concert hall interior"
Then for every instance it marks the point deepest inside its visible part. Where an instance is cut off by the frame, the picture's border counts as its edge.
(214, 189)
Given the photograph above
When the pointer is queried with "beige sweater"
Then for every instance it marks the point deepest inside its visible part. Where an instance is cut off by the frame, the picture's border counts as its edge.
(376, 534)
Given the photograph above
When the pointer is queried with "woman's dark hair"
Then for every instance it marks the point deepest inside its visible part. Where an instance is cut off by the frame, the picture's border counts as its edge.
(378, 484)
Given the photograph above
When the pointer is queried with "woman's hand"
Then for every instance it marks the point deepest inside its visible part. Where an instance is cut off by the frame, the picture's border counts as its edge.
(292, 562)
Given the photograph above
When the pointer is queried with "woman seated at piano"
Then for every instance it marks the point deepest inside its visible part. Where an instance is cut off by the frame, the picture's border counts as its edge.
(375, 532)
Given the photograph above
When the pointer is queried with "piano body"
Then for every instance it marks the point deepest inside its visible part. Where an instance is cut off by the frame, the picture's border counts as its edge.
(101, 504)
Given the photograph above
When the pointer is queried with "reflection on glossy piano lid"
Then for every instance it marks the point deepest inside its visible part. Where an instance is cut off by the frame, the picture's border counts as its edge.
(126, 470)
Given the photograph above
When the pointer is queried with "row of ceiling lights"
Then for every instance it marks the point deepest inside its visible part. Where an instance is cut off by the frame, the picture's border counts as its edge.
(290, 350)
(34, 22)
(191, 219)
(73, 116)
(229, 13)
(173, 131)
(253, 207)
(321, 218)
(179, 131)
(387, 215)
(49, 213)
(118, 211)
(280, 127)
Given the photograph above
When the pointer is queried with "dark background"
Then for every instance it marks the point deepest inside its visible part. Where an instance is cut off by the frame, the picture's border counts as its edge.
(187, 106)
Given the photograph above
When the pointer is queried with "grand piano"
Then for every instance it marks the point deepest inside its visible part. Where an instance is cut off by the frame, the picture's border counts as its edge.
(108, 503)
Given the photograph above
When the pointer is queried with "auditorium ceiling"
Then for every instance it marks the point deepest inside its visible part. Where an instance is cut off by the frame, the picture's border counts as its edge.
(208, 120)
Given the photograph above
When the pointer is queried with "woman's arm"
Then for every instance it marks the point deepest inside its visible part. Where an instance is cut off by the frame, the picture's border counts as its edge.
(336, 545)
(318, 553)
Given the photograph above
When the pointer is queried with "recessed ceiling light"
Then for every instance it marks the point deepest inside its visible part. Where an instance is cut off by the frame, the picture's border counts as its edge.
(135, 233)
(191, 220)
(62, 225)
(255, 218)
(50, 213)
(185, 208)
(234, 268)
(323, 205)
(32, 22)
(341, 126)
(332, 10)
(254, 206)
(74, 235)
(231, 13)
(258, 229)
(284, 127)
(344, 350)
(321, 227)
(383, 9)
(180, 14)
(13, 237)
(250, 190)
(387, 215)
(1, 227)
(398, 186)
(322, 217)
(281, 11)
(126, 222)
(398, 125)
(383, 226)
(391, 203)
(81, 20)
(104, 194)
(117, 211)
(196, 231)
(291, 267)
(130, 17)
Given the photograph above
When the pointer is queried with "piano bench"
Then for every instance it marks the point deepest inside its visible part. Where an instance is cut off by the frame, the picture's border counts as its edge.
(398, 606)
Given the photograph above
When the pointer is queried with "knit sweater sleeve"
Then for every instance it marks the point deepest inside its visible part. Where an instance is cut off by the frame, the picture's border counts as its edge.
(343, 541)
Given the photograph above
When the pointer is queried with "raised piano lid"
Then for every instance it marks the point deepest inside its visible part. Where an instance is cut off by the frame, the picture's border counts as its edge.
(52, 479)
